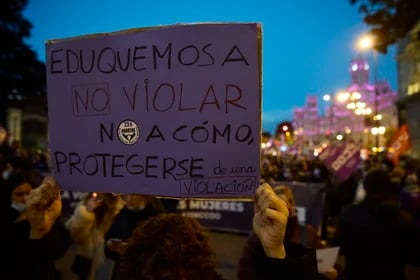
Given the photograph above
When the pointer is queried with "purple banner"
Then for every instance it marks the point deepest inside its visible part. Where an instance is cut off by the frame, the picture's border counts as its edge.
(235, 215)
(330, 153)
(342, 159)
(347, 162)
(231, 215)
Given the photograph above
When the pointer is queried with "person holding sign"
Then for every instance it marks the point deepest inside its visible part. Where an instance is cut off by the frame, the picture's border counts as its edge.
(298, 236)
(171, 246)
(37, 238)
(162, 247)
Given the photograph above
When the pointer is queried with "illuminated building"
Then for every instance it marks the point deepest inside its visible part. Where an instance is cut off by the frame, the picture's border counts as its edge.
(350, 112)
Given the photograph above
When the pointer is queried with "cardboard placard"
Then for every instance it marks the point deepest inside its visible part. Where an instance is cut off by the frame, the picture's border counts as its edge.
(170, 111)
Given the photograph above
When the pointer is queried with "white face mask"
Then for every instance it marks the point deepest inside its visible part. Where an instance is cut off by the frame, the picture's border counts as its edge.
(20, 207)
(5, 175)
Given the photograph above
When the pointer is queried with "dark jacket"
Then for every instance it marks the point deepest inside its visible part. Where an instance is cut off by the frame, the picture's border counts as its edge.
(34, 259)
(377, 239)
(126, 221)
(300, 262)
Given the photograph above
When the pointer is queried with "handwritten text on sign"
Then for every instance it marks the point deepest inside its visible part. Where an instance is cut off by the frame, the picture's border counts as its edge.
(167, 111)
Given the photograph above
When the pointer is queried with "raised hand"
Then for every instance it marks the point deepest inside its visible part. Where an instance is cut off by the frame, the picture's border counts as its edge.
(43, 207)
(93, 202)
(270, 220)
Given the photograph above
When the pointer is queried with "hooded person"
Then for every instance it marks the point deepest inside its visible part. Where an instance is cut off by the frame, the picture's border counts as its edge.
(376, 237)
(409, 197)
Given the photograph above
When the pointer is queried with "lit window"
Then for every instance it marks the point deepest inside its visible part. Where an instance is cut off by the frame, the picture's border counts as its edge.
(354, 67)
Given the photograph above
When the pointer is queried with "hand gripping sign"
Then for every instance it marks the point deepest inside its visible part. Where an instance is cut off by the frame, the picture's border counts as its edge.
(172, 110)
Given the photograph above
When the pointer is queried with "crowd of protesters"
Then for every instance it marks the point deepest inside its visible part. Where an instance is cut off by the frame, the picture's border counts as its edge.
(25, 170)
(151, 244)
(373, 215)
(405, 179)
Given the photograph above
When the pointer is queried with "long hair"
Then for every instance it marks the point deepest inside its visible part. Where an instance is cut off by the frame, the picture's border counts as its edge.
(107, 210)
(168, 246)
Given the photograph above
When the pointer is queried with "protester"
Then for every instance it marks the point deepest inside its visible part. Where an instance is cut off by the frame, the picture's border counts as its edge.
(377, 239)
(40, 238)
(171, 246)
(14, 192)
(137, 208)
(297, 232)
(91, 219)
(37, 238)
(410, 197)
(13, 196)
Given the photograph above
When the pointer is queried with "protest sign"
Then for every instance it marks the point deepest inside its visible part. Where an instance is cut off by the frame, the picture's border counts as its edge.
(329, 154)
(326, 258)
(235, 214)
(170, 111)
(343, 159)
(348, 161)
(227, 214)
(230, 215)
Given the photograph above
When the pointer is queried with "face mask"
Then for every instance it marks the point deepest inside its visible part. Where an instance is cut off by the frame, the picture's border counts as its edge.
(20, 207)
(5, 175)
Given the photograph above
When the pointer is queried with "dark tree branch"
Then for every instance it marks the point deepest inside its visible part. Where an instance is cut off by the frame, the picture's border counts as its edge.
(389, 20)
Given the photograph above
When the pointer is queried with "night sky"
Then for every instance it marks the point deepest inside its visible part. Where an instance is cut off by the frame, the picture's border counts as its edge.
(307, 45)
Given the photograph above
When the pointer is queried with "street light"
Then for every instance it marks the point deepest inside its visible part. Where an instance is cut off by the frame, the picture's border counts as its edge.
(367, 42)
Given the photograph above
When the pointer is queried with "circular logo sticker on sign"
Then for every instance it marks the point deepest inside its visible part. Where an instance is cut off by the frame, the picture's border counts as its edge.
(128, 132)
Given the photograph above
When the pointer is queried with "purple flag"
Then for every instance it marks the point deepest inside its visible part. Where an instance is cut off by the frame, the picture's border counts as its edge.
(347, 161)
(330, 154)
